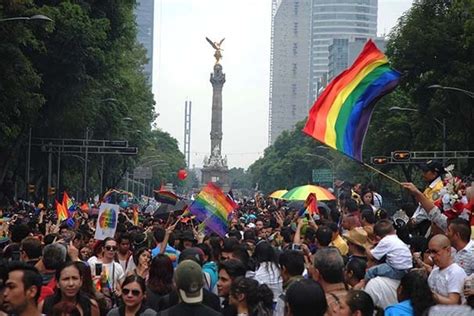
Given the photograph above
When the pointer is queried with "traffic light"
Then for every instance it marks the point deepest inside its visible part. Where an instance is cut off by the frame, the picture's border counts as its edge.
(379, 160)
(401, 155)
(51, 191)
(31, 188)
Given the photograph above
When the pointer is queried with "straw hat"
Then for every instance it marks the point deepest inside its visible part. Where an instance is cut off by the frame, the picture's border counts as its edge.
(357, 236)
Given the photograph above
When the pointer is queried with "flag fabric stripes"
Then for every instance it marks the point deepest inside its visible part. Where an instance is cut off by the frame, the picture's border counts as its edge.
(166, 197)
(61, 211)
(135, 215)
(212, 208)
(68, 203)
(340, 116)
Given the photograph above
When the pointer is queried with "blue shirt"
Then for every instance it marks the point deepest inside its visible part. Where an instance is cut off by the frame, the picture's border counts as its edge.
(403, 308)
(172, 253)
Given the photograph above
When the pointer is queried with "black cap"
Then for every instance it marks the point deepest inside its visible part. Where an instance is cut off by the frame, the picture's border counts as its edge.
(433, 165)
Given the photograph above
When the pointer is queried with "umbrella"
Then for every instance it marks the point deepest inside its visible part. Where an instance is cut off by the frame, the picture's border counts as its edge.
(297, 205)
(164, 209)
(278, 194)
(301, 193)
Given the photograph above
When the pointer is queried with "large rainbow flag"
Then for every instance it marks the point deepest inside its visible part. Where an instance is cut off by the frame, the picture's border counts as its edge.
(212, 208)
(340, 116)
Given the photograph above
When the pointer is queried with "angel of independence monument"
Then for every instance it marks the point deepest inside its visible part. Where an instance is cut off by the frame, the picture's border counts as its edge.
(215, 166)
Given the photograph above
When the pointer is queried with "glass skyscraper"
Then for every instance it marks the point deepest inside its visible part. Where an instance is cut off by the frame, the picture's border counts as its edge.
(355, 20)
(144, 13)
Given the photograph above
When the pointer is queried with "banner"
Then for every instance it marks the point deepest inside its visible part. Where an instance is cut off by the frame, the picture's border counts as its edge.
(107, 221)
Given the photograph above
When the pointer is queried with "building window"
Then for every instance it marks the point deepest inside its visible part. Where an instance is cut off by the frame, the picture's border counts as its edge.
(295, 49)
(296, 7)
(293, 110)
(295, 29)
(294, 69)
(293, 89)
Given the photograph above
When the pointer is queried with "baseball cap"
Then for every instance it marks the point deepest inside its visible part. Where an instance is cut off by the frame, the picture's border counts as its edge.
(194, 253)
(357, 236)
(189, 281)
(433, 165)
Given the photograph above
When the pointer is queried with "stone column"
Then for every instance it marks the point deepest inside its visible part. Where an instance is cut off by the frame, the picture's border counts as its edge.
(217, 81)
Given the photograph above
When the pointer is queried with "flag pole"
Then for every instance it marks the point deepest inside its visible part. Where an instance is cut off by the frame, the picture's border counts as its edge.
(381, 173)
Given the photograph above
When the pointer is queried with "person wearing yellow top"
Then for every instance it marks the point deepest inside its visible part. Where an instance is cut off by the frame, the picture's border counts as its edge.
(433, 172)
(337, 240)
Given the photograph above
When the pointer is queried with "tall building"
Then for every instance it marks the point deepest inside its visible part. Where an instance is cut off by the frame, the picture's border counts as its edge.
(355, 20)
(343, 52)
(302, 31)
(144, 13)
(289, 66)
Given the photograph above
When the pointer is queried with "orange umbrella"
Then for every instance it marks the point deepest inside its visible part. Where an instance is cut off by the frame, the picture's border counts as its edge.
(278, 194)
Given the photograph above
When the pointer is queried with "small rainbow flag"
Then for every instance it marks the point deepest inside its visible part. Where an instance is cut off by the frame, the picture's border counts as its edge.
(67, 203)
(61, 211)
(311, 204)
(166, 197)
(212, 208)
(340, 116)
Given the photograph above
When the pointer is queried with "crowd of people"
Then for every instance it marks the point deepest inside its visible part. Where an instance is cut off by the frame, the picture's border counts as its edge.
(349, 258)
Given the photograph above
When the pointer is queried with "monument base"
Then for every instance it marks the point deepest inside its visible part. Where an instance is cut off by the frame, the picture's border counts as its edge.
(218, 175)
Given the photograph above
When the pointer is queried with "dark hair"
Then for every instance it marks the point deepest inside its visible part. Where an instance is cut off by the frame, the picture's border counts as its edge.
(234, 268)
(414, 286)
(18, 232)
(286, 233)
(462, 227)
(383, 227)
(65, 308)
(249, 235)
(358, 300)
(32, 247)
(67, 265)
(160, 279)
(206, 249)
(87, 283)
(364, 192)
(310, 234)
(264, 252)
(419, 244)
(352, 206)
(240, 252)
(137, 253)
(124, 236)
(293, 261)
(229, 244)
(31, 276)
(306, 298)
(235, 233)
(324, 235)
(380, 214)
(258, 297)
(330, 264)
(368, 215)
(357, 267)
(135, 278)
(159, 234)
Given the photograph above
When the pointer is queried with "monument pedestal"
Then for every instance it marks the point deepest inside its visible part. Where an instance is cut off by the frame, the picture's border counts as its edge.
(218, 175)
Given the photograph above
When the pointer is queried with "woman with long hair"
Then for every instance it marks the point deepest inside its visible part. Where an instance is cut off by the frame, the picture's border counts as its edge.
(251, 298)
(356, 302)
(69, 282)
(160, 280)
(368, 199)
(133, 296)
(414, 296)
(267, 270)
(141, 258)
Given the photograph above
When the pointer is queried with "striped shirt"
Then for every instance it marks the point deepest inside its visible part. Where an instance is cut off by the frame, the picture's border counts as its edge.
(465, 258)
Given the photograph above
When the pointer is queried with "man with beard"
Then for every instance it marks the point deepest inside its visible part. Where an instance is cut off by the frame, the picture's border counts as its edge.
(22, 290)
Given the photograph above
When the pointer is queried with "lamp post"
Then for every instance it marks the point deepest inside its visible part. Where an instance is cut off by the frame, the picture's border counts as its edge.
(442, 123)
(39, 17)
(437, 86)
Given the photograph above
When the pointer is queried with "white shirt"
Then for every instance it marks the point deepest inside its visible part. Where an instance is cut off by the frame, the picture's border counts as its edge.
(465, 258)
(269, 274)
(397, 252)
(383, 291)
(448, 280)
(377, 200)
(113, 270)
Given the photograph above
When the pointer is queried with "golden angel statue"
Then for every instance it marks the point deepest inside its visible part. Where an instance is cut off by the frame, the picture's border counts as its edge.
(217, 47)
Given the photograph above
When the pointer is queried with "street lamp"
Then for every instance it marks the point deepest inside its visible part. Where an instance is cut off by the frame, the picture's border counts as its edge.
(437, 86)
(28, 18)
(441, 123)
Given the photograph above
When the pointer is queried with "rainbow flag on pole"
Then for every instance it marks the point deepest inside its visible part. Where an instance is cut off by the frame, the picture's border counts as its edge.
(68, 203)
(340, 116)
(212, 208)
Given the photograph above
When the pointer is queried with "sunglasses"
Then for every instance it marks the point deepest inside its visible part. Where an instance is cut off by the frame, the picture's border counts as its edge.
(134, 292)
(110, 248)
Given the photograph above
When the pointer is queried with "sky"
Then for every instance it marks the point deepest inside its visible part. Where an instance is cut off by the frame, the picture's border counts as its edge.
(183, 61)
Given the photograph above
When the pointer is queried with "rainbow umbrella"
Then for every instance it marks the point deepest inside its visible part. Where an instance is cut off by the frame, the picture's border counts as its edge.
(278, 194)
(301, 193)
